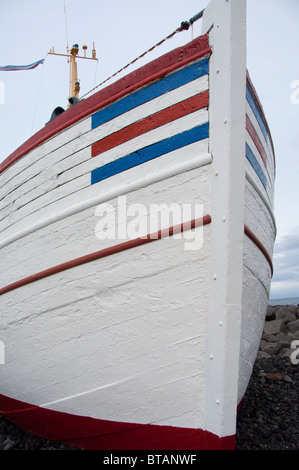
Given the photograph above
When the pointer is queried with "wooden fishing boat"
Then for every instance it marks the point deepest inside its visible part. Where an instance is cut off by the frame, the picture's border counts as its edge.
(121, 332)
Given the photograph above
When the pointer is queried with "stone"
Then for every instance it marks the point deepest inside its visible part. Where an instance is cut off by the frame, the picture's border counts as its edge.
(293, 326)
(8, 444)
(269, 338)
(293, 336)
(286, 312)
(274, 327)
(283, 337)
(270, 314)
(263, 355)
(275, 376)
(270, 348)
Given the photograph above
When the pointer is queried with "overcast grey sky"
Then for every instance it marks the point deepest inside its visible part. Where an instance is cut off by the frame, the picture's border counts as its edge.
(124, 30)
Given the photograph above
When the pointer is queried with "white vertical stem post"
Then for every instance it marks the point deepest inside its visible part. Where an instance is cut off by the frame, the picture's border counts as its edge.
(225, 20)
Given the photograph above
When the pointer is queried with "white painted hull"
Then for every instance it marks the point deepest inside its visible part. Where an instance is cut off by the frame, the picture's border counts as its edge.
(156, 334)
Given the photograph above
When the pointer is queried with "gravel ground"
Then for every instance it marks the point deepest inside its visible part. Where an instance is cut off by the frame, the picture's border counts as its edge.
(269, 414)
(267, 419)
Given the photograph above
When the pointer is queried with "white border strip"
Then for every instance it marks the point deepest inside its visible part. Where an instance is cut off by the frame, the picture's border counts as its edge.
(121, 190)
(263, 198)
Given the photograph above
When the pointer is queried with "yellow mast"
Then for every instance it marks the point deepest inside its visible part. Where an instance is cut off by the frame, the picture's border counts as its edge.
(74, 82)
(72, 55)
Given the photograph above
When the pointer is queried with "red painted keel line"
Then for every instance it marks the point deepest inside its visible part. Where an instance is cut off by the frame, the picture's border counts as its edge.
(97, 434)
(260, 245)
(108, 251)
(151, 122)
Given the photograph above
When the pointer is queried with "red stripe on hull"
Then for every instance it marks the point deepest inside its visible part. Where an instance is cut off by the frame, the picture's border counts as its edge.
(151, 122)
(125, 246)
(252, 132)
(96, 434)
(169, 62)
(262, 113)
(260, 245)
(108, 251)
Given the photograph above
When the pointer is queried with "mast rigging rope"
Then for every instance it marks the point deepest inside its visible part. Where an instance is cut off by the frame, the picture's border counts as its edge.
(185, 25)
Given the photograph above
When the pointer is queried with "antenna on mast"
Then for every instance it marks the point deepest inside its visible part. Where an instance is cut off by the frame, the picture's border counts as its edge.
(65, 18)
(72, 55)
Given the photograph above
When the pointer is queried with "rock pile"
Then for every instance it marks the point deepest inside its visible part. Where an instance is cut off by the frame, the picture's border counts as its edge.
(281, 332)
(269, 412)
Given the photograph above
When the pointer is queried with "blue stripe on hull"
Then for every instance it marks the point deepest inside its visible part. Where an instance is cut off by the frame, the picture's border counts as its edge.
(151, 152)
(144, 95)
(255, 165)
(251, 100)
